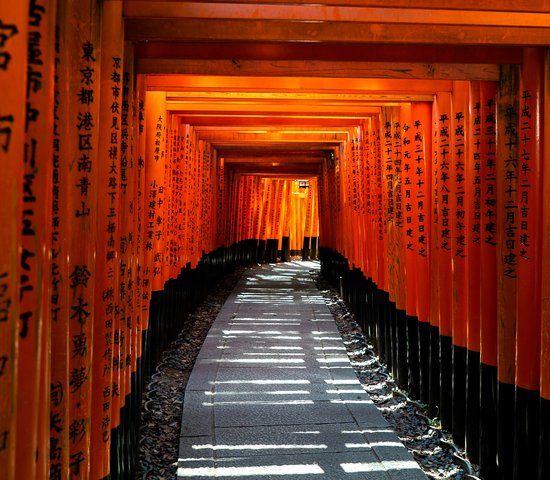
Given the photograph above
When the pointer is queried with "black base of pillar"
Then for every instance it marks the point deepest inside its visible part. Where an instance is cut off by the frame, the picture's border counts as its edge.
(413, 356)
(389, 320)
(459, 395)
(488, 423)
(381, 324)
(285, 249)
(261, 251)
(472, 406)
(505, 430)
(306, 248)
(527, 427)
(424, 345)
(435, 369)
(446, 389)
(544, 440)
(401, 349)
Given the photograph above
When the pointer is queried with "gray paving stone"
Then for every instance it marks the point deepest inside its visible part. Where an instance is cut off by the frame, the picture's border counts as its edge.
(273, 396)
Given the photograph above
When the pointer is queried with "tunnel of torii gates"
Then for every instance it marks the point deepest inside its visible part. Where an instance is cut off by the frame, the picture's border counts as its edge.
(125, 196)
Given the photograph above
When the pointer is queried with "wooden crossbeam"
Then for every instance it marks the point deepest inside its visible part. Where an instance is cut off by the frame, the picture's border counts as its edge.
(334, 69)
(220, 83)
(246, 30)
(542, 6)
(315, 12)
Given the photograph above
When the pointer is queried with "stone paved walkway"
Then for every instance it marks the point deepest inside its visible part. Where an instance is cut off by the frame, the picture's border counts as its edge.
(273, 395)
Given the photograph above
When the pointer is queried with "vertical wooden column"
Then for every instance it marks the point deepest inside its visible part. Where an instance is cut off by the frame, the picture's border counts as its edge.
(507, 263)
(59, 374)
(107, 231)
(435, 203)
(379, 226)
(459, 251)
(220, 203)
(129, 177)
(544, 429)
(488, 282)
(178, 153)
(13, 68)
(474, 199)
(143, 285)
(410, 219)
(529, 172)
(186, 167)
(421, 118)
(34, 336)
(444, 186)
(400, 249)
(78, 83)
(155, 113)
(388, 169)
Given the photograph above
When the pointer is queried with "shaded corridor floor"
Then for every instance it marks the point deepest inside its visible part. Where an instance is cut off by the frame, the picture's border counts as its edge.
(272, 393)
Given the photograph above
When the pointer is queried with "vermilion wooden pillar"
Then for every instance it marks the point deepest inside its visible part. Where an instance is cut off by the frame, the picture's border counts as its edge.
(445, 211)
(461, 237)
(490, 217)
(155, 113)
(79, 93)
(410, 246)
(143, 284)
(435, 362)
(474, 200)
(128, 245)
(529, 262)
(13, 68)
(544, 430)
(37, 226)
(507, 262)
(422, 142)
(108, 236)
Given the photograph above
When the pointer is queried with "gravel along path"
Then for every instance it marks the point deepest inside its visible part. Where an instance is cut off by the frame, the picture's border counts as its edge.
(163, 397)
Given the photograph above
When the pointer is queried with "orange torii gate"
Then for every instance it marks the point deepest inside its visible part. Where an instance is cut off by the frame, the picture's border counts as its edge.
(117, 214)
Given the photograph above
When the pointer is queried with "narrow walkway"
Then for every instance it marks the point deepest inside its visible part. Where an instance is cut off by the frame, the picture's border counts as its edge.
(272, 394)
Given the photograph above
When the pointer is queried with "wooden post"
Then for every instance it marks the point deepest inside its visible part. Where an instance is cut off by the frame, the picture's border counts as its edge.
(528, 326)
(155, 113)
(544, 429)
(461, 238)
(488, 281)
(78, 84)
(107, 231)
(411, 245)
(13, 68)
(421, 118)
(507, 262)
(474, 199)
(445, 197)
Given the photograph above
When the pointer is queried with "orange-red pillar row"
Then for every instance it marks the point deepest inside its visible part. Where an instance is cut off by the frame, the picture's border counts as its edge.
(13, 68)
